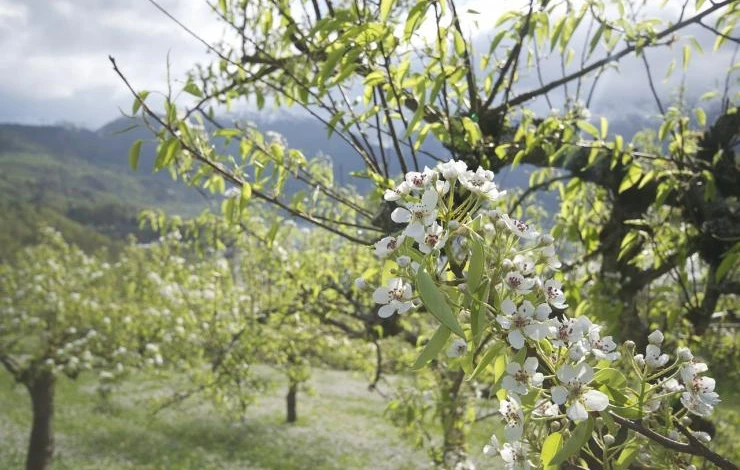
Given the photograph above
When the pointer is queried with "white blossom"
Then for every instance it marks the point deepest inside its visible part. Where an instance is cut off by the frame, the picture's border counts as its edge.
(519, 283)
(433, 238)
(656, 338)
(420, 180)
(554, 294)
(395, 297)
(395, 194)
(519, 228)
(520, 321)
(574, 391)
(653, 358)
(387, 245)
(513, 418)
(699, 397)
(452, 169)
(481, 182)
(521, 377)
(515, 455)
(458, 348)
(417, 215)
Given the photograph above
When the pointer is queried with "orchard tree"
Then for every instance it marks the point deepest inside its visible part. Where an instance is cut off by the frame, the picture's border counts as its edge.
(60, 315)
(651, 223)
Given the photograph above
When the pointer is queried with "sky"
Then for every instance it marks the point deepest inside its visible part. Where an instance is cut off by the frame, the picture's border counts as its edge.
(55, 67)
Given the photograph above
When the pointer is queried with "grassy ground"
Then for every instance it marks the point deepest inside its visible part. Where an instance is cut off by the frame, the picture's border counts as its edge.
(341, 427)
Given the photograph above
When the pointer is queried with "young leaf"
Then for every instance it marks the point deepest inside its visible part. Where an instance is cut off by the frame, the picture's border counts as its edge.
(578, 438)
(385, 9)
(492, 353)
(551, 446)
(436, 302)
(134, 153)
(433, 347)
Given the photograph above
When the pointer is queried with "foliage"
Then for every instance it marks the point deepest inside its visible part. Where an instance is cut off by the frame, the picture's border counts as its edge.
(651, 224)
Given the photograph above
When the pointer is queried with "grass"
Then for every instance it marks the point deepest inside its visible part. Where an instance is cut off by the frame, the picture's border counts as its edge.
(330, 434)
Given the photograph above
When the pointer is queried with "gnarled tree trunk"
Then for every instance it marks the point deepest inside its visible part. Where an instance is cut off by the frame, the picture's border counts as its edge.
(41, 444)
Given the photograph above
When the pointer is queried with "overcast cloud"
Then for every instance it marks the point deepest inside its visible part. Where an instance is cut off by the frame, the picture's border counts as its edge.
(55, 67)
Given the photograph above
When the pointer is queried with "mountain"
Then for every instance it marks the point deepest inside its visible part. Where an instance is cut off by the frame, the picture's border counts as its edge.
(79, 180)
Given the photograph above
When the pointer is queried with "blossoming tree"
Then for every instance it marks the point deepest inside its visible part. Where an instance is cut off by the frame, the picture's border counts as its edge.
(641, 211)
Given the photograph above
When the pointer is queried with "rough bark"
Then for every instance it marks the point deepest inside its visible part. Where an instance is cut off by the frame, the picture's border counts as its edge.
(41, 444)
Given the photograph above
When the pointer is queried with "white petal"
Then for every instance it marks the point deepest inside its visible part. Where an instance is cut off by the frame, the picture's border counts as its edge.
(414, 230)
(429, 199)
(400, 215)
(513, 433)
(536, 331)
(516, 339)
(585, 373)
(387, 310)
(530, 364)
(505, 322)
(559, 394)
(566, 373)
(382, 295)
(537, 379)
(595, 400)
(576, 411)
(508, 307)
(403, 307)
(513, 367)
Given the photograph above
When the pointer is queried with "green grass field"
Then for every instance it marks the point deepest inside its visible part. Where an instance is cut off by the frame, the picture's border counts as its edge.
(340, 427)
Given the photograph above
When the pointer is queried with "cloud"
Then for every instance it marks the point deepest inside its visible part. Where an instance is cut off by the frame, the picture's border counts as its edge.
(55, 54)
(55, 57)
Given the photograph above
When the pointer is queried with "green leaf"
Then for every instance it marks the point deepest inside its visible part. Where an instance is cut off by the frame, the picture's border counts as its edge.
(604, 128)
(628, 455)
(385, 9)
(459, 44)
(701, 117)
(138, 101)
(578, 438)
(433, 347)
(475, 265)
(192, 88)
(588, 128)
(633, 176)
(686, 56)
(728, 262)
(550, 447)
(134, 153)
(611, 377)
(492, 353)
(436, 302)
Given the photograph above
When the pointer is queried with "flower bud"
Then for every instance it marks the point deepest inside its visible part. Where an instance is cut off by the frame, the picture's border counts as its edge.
(691, 467)
(640, 360)
(629, 344)
(453, 225)
(555, 426)
(360, 283)
(684, 354)
(608, 439)
(403, 261)
(686, 421)
(599, 422)
(463, 287)
(656, 337)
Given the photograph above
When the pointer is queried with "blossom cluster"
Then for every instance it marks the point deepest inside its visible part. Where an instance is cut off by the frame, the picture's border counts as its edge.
(560, 360)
